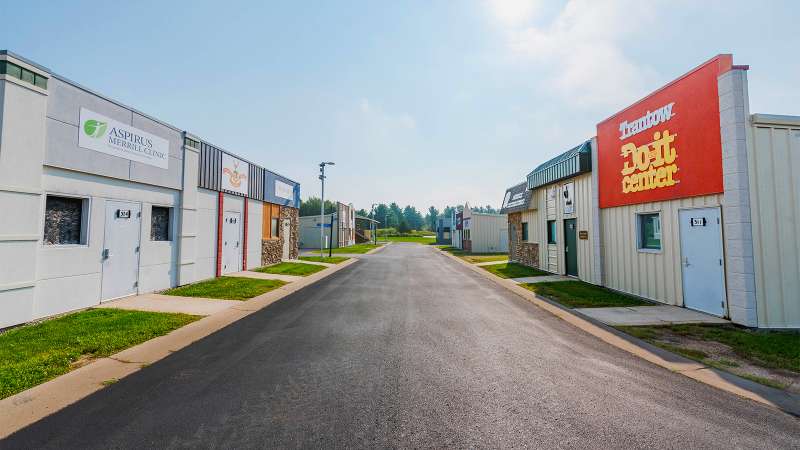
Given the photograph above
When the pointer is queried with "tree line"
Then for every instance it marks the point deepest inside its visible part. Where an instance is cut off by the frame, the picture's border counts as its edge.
(392, 215)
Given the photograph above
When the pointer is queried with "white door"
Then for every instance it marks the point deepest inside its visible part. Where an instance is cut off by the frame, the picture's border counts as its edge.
(120, 254)
(702, 260)
(231, 243)
(287, 237)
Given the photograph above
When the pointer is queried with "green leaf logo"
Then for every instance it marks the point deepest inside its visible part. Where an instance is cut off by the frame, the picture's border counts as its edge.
(95, 128)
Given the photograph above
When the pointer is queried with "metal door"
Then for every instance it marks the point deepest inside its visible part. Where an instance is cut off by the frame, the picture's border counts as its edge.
(287, 237)
(702, 260)
(231, 248)
(120, 256)
(571, 247)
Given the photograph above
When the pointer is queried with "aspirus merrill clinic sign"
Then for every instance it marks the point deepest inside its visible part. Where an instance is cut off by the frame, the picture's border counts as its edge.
(105, 135)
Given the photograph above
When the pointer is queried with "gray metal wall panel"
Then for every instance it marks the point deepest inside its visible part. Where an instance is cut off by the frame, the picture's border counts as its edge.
(269, 190)
(210, 162)
(255, 183)
(62, 150)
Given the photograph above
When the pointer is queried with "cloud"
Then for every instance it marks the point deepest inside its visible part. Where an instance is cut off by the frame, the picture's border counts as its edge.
(580, 51)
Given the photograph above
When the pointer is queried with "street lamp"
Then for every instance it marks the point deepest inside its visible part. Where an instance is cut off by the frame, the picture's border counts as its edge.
(322, 210)
(373, 224)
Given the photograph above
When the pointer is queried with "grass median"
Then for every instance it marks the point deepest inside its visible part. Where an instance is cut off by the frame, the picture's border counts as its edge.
(514, 270)
(226, 288)
(33, 354)
(291, 268)
(768, 357)
(577, 294)
(326, 259)
(474, 258)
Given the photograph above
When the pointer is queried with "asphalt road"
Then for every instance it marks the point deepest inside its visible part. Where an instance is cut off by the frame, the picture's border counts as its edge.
(407, 349)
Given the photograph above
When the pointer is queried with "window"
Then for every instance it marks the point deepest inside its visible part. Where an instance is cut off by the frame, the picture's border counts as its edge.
(524, 231)
(159, 224)
(65, 221)
(274, 227)
(650, 231)
(551, 231)
(21, 73)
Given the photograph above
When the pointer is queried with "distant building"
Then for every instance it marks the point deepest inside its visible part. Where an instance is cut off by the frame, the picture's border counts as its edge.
(444, 231)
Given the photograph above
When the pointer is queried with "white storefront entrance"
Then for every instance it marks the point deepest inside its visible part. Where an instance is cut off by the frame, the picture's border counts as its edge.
(702, 260)
(121, 249)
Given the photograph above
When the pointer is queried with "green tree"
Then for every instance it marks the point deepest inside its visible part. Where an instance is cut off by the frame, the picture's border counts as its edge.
(403, 226)
(395, 215)
(413, 217)
(310, 206)
(381, 215)
(432, 217)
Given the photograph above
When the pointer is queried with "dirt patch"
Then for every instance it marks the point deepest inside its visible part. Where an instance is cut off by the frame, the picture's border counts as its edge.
(82, 361)
(721, 356)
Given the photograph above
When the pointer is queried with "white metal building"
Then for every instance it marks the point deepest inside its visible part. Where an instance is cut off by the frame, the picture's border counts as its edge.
(484, 233)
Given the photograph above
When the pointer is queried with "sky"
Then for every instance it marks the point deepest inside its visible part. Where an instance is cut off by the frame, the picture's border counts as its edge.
(419, 102)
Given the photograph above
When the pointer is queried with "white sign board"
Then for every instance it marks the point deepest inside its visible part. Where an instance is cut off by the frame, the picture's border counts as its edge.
(234, 174)
(568, 195)
(284, 190)
(105, 135)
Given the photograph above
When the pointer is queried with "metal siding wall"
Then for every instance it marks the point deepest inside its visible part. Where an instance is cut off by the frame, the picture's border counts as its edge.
(255, 183)
(485, 233)
(656, 276)
(775, 211)
(210, 162)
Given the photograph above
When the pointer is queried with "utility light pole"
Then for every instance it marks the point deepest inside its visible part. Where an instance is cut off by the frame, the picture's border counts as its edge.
(374, 225)
(322, 210)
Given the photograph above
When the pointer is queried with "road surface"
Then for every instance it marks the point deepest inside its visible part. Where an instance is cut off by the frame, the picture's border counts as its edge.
(407, 349)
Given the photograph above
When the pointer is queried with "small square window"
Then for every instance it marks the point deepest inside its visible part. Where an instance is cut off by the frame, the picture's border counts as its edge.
(40, 81)
(65, 221)
(13, 70)
(274, 226)
(159, 224)
(28, 76)
(650, 231)
(524, 231)
(551, 231)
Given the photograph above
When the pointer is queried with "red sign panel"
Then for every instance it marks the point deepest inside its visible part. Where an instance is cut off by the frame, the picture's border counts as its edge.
(667, 145)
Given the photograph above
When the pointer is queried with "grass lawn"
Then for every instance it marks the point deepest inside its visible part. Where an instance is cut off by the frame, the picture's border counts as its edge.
(33, 354)
(358, 248)
(514, 270)
(768, 357)
(474, 258)
(327, 259)
(227, 288)
(577, 294)
(417, 239)
(291, 268)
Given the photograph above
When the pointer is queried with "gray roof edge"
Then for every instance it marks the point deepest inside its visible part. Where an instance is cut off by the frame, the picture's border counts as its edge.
(775, 119)
(547, 164)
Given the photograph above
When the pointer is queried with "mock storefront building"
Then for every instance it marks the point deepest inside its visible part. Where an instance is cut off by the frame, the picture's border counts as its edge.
(102, 201)
(339, 228)
(553, 216)
(683, 198)
(483, 232)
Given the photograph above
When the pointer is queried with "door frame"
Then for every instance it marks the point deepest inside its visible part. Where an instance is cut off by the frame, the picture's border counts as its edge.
(103, 246)
(726, 309)
(566, 257)
(240, 249)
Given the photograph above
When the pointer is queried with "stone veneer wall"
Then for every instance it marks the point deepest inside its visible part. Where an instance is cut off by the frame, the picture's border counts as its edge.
(271, 251)
(526, 253)
(292, 214)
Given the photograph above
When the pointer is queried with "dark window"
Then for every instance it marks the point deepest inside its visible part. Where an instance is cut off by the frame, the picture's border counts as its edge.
(274, 226)
(11, 69)
(524, 231)
(159, 224)
(650, 231)
(28, 76)
(64, 221)
(40, 81)
(551, 231)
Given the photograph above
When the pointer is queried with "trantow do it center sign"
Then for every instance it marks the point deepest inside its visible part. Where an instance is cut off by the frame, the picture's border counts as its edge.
(106, 135)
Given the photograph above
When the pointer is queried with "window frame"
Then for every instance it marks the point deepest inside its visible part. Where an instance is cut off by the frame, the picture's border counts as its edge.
(552, 232)
(640, 237)
(525, 232)
(86, 208)
(275, 225)
(170, 222)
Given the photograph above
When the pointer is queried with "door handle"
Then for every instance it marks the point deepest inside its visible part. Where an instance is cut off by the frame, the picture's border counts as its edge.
(686, 261)
(106, 253)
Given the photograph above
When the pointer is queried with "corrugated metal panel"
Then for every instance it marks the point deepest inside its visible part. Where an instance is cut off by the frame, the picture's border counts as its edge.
(489, 233)
(656, 276)
(774, 168)
(568, 164)
(255, 183)
(210, 163)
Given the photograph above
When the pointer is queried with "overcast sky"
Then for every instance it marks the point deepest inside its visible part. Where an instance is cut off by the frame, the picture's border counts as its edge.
(419, 102)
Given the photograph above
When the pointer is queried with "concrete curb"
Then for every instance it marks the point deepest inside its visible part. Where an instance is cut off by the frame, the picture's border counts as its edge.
(27, 407)
(376, 250)
(785, 401)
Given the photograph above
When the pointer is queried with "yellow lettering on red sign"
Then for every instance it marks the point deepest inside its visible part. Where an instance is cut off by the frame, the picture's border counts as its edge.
(651, 166)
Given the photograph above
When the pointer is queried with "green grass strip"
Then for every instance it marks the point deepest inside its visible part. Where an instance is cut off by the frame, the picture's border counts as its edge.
(577, 294)
(291, 268)
(33, 354)
(226, 288)
(327, 259)
(514, 270)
